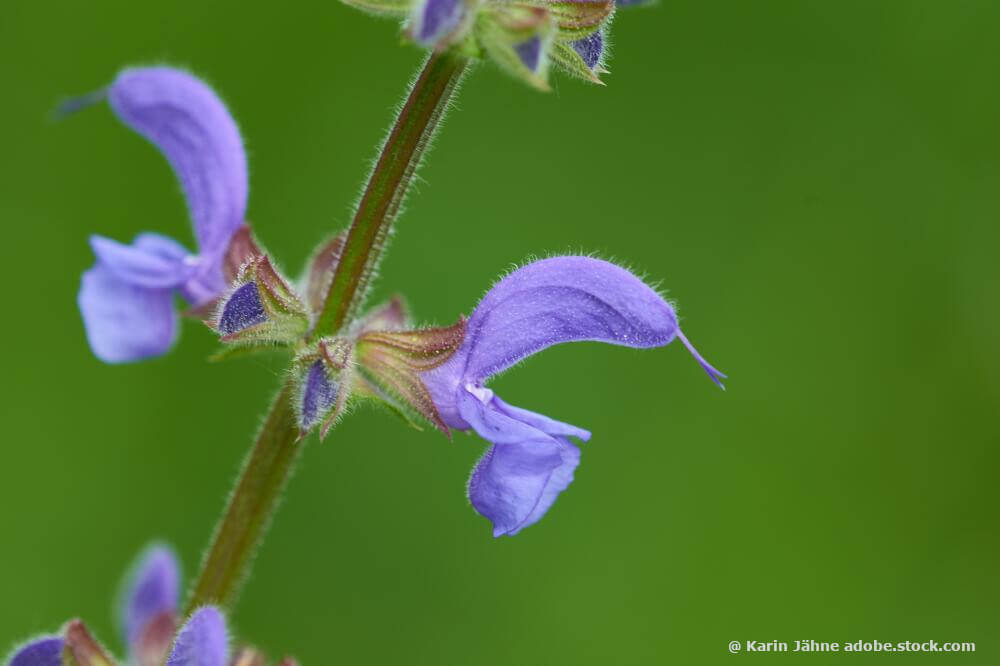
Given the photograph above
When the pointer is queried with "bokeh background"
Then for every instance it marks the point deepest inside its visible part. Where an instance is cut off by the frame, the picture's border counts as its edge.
(817, 184)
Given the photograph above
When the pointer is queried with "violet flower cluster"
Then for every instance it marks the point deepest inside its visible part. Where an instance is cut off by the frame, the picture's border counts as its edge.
(524, 38)
(148, 618)
(431, 375)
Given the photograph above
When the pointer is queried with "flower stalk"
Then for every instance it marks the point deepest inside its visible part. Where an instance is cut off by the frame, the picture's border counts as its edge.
(269, 466)
(252, 503)
(387, 187)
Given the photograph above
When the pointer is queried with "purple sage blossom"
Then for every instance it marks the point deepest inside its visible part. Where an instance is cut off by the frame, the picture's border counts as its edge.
(563, 299)
(127, 298)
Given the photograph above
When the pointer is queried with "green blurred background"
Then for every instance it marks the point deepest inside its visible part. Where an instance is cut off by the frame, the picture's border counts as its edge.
(817, 184)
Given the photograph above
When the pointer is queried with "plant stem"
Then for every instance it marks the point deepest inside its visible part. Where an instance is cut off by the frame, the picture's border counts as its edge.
(258, 490)
(387, 186)
(269, 465)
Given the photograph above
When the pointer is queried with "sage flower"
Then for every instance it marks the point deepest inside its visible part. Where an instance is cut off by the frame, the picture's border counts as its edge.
(438, 375)
(563, 299)
(127, 298)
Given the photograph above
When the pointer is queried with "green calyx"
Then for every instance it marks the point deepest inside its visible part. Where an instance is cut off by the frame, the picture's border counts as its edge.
(261, 308)
(390, 364)
(322, 375)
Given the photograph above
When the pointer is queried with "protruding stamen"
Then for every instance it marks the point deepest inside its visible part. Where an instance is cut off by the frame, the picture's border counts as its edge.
(70, 106)
(716, 375)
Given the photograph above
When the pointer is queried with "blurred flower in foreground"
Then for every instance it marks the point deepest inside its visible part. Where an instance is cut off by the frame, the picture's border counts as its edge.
(127, 298)
(522, 37)
(148, 618)
(562, 299)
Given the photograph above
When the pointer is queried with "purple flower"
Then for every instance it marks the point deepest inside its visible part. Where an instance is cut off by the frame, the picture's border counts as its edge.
(563, 299)
(148, 613)
(127, 298)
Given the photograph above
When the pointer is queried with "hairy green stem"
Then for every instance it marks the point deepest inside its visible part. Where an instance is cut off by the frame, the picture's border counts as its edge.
(258, 490)
(269, 465)
(387, 186)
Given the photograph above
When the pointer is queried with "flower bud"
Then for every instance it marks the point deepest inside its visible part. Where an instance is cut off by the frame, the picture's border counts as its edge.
(321, 374)
(261, 308)
(582, 57)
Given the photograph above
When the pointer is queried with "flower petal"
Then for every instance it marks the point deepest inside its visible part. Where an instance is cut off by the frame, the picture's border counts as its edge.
(45, 651)
(435, 19)
(152, 261)
(151, 589)
(203, 641)
(522, 474)
(125, 322)
(540, 421)
(191, 126)
(562, 299)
